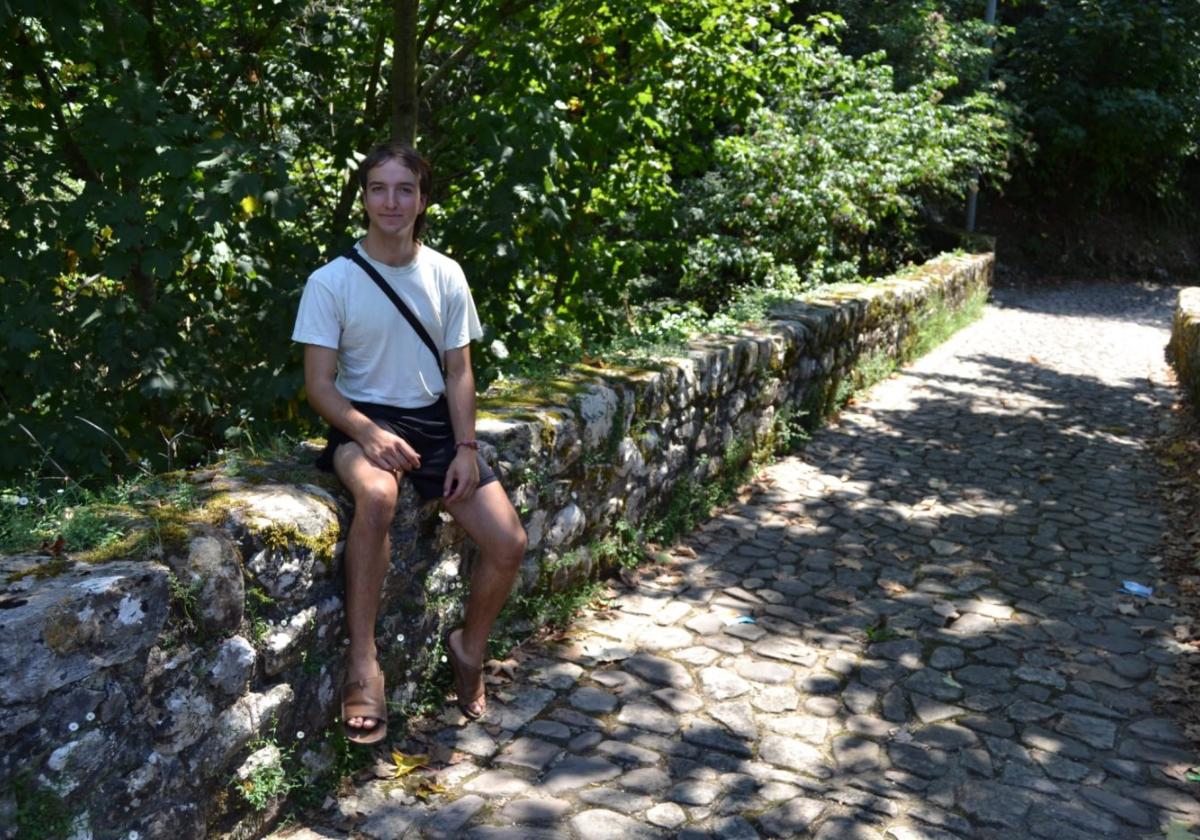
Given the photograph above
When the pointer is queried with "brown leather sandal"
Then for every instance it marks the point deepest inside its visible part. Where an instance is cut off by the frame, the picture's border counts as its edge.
(465, 679)
(365, 699)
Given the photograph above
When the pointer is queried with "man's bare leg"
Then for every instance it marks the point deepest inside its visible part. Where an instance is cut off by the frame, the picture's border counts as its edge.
(375, 492)
(489, 519)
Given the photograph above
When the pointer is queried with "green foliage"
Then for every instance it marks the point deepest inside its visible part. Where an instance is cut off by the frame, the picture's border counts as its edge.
(791, 430)
(173, 173)
(692, 502)
(1109, 90)
(257, 604)
(1103, 90)
(269, 781)
(881, 633)
(938, 321)
(543, 608)
(39, 512)
(41, 813)
(622, 547)
(156, 220)
(922, 39)
(831, 179)
(578, 138)
(867, 371)
(184, 601)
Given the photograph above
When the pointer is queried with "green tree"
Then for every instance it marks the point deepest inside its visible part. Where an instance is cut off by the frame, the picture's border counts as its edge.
(1109, 89)
(172, 173)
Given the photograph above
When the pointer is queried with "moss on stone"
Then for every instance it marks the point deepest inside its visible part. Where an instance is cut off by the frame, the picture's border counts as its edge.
(281, 536)
(61, 631)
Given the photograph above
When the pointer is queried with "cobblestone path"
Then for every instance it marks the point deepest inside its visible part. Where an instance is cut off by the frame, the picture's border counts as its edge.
(914, 632)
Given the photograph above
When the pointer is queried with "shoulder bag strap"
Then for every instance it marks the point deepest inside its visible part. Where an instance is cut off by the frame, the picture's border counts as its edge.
(354, 255)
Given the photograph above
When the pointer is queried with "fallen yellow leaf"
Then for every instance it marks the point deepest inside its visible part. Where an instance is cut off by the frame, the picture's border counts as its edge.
(405, 764)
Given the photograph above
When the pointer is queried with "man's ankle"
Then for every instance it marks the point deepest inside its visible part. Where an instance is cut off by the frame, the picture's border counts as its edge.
(362, 658)
(472, 652)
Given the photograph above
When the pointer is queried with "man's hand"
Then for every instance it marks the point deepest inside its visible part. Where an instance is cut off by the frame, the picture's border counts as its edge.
(389, 451)
(383, 449)
(462, 478)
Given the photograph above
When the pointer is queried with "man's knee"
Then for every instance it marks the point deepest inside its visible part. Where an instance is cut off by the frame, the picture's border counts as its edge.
(375, 504)
(510, 549)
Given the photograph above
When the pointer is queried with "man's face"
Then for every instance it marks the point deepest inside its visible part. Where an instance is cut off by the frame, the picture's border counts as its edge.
(393, 198)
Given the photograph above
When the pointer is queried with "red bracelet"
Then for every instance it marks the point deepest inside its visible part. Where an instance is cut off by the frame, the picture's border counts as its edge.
(470, 444)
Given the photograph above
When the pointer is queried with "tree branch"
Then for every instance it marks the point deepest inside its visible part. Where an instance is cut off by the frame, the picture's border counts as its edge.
(506, 10)
(80, 167)
(345, 204)
(430, 24)
(154, 43)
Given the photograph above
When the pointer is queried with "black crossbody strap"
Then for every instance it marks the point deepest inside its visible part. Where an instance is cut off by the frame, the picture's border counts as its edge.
(353, 254)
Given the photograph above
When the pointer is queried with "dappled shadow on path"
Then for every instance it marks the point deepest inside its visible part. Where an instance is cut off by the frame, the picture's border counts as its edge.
(945, 568)
(983, 525)
(915, 625)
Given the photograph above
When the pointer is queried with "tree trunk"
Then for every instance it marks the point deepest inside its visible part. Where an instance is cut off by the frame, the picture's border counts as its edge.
(346, 201)
(404, 72)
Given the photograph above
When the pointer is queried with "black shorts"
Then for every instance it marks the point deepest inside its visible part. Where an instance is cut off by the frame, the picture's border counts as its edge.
(427, 430)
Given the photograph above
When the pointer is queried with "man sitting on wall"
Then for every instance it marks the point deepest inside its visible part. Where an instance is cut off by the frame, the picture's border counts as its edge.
(398, 392)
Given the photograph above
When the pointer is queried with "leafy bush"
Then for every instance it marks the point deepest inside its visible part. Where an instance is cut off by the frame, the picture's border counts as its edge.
(830, 181)
(922, 39)
(1104, 89)
(1109, 89)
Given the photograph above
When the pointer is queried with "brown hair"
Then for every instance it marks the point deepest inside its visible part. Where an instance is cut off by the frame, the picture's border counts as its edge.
(411, 158)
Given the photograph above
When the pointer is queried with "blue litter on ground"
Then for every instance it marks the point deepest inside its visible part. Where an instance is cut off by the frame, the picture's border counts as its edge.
(1130, 587)
(744, 619)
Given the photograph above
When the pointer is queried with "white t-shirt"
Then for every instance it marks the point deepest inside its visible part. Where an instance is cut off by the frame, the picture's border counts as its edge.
(381, 359)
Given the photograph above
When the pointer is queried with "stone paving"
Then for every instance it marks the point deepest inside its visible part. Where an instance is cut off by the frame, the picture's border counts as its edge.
(915, 631)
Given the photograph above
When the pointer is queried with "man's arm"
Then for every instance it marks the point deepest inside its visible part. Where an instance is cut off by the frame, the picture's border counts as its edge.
(382, 448)
(463, 475)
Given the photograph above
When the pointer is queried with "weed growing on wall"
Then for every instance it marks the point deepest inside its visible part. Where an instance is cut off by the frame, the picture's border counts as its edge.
(183, 599)
(938, 321)
(791, 430)
(692, 502)
(257, 604)
(623, 547)
(270, 779)
(41, 813)
(867, 371)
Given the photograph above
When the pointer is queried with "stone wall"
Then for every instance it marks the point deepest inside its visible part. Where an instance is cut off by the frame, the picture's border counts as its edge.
(142, 686)
(1184, 348)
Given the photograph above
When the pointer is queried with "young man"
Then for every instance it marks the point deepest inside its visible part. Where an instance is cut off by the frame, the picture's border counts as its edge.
(393, 411)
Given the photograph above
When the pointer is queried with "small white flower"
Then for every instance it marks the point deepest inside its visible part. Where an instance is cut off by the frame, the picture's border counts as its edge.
(59, 491)
(399, 637)
(133, 835)
(91, 716)
(24, 500)
(73, 726)
(300, 735)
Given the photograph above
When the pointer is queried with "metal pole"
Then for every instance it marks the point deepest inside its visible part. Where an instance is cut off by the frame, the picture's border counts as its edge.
(989, 17)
